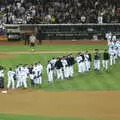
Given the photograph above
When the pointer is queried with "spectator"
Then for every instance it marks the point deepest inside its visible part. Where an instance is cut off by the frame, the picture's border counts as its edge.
(62, 11)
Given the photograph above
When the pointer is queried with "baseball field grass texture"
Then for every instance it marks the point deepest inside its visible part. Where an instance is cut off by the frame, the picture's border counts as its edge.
(69, 48)
(90, 96)
(31, 117)
(103, 80)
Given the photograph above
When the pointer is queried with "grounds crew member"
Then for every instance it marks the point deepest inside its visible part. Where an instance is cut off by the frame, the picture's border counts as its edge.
(32, 41)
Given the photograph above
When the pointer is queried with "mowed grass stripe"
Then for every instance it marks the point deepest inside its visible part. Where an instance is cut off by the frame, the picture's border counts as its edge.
(79, 47)
(30, 117)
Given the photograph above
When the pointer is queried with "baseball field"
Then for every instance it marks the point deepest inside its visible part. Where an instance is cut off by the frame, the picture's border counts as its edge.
(87, 96)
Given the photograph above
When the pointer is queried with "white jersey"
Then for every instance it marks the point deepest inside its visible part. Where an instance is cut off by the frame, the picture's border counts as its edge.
(78, 59)
(64, 62)
(35, 70)
(49, 67)
(31, 76)
(86, 56)
(53, 61)
(112, 52)
(1, 73)
(23, 72)
(39, 68)
(114, 38)
(11, 74)
(108, 36)
(26, 70)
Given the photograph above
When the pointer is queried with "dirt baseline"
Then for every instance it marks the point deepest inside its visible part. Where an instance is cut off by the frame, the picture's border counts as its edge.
(75, 104)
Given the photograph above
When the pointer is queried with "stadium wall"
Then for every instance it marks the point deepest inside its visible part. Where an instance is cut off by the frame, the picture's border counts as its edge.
(65, 32)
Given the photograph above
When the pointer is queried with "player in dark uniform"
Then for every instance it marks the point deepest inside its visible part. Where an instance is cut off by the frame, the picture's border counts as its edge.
(105, 59)
(97, 58)
(59, 66)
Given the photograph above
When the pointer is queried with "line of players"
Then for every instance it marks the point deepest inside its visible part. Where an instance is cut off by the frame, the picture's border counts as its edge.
(61, 67)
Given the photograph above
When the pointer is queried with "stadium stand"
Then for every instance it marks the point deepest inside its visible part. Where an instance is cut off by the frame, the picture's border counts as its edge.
(93, 18)
(60, 11)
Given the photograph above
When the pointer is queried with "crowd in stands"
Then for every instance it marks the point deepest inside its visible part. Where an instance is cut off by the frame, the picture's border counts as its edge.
(59, 11)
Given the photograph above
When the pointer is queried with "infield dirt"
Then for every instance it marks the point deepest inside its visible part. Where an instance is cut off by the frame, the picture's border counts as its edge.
(72, 104)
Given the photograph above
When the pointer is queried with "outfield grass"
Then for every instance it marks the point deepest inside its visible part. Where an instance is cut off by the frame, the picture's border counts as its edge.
(30, 117)
(52, 47)
(103, 80)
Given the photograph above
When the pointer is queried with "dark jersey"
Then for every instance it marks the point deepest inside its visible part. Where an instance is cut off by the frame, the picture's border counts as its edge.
(30, 69)
(97, 56)
(90, 57)
(58, 64)
(105, 56)
(83, 58)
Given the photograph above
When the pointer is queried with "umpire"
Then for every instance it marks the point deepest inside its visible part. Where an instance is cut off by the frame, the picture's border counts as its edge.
(1, 78)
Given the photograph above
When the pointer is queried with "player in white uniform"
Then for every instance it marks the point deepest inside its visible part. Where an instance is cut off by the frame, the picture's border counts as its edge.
(50, 72)
(40, 69)
(22, 77)
(80, 63)
(112, 56)
(31, 77)
(87, 62)
(114, 38)
(53, 61)
(35, 70)
(78, 60)
(65, 67)
(11, 80)
(18, 76)
(108, 37)
(97, 59)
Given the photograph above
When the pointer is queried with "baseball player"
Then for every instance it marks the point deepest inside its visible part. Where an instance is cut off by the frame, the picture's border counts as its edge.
(71, 62)
(59, 66)
(105, 60)
(32, 76)
(11, 80)
(53, 62)
(18, 76)
(65, 67)
(1, 77)
(79, 60)
(35, 70)
(22, 77)
(40, 69)
(108, 36)
(114, 38)
(97, 58)
(87, 61)
(50, 72)
(112, 56)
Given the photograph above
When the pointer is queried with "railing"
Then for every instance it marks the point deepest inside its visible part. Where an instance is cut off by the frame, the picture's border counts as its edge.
(65, 31)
